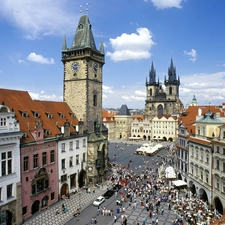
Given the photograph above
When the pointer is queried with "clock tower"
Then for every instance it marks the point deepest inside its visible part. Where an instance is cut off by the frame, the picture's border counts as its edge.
(83, 64)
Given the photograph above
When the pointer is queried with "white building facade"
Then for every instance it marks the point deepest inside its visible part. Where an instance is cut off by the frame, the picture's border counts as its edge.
(10, 178)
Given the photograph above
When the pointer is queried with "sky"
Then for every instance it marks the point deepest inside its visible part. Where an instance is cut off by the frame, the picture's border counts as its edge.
(135, 34)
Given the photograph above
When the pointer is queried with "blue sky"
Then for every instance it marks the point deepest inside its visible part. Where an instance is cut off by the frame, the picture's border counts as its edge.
(135, 33)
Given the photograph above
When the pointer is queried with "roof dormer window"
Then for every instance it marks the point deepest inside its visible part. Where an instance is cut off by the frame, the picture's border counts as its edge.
(49, 115)
(61, 115)
(36, 114)
(24, 114)
(47, 132)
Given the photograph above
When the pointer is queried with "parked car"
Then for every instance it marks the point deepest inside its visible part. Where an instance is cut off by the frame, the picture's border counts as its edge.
(99, 201)
(108, 194)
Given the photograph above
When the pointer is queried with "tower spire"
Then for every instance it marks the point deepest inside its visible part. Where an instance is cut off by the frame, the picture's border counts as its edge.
(152, 74)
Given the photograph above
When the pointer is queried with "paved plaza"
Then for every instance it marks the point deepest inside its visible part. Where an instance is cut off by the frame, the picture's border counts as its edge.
(49, 216)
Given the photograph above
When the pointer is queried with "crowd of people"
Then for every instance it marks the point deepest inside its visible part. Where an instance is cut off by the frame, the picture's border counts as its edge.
(144, 190)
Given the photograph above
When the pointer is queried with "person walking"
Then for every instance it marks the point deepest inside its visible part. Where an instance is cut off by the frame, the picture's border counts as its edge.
(144, 221)
(115, 218)
(162, 211)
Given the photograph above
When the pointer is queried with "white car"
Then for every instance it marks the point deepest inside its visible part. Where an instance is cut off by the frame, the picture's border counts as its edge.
(99, 201)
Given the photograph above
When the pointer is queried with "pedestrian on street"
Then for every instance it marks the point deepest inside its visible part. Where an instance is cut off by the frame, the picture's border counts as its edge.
(95, 220)
(115, 218)
(144, 221)
(162, 211)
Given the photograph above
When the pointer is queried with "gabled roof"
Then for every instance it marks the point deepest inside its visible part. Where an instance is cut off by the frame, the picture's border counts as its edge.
(167, 116)
(124, 111)
(28, 112)
(138, 117)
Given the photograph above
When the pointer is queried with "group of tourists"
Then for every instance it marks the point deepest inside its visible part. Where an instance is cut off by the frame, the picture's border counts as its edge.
(145, 191)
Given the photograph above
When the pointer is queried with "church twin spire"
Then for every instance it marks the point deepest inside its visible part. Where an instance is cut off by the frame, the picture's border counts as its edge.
(172, 78)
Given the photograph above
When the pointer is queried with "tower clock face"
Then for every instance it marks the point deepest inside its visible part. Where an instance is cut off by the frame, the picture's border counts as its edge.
(95, 68)
(75, 67)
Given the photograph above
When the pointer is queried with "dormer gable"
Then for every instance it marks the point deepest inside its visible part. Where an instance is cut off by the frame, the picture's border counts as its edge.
(38, 133)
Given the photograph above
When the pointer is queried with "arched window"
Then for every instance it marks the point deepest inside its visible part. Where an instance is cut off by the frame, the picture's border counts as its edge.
(160, 110)
(170, 90)
(150, 92)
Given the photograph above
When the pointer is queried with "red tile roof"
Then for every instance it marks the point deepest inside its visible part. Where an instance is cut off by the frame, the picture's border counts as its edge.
(20, 102)
(188, 117)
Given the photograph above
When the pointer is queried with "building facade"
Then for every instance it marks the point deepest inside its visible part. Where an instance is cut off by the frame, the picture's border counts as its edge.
(165, 128)
(10, 177)
(201, 155)
(159, 101)
(218, 171)
(123, 122)
(141, 129)
(83, 66)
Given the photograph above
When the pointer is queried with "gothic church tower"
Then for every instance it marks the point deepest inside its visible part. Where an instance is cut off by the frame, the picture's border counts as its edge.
(83, 65)
(159, 101)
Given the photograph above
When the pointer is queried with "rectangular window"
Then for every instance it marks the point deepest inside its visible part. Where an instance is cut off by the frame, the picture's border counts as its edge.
(84, 157)
(44, 158)
(0, 194)
(6, 163)
(52, 156)
(71, 145)
(207, 178)
(71, 161)
(52, 196)
(64, 178)
(207, 158)
(9, 191)
(77, 144)
(223, 151)
(25, 163)
(224, 167)
(24, 210)
(217, 149)
(77, 159)
(63, 147)
(63, 164)
(3, 122)
(3, 168)
(217, 164)
(217, 183)
(84, 142)
(35, 161)
(223, 187)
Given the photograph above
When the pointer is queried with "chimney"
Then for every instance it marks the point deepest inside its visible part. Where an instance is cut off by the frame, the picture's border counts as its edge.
(80, 127)
(66, 129)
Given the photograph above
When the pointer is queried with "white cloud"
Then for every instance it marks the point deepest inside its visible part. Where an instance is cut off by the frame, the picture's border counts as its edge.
(192, 54)
(162, 4)
(107, 89)
(40, 18)
(133, 46)
(141, 93)
(39, 59)
(43, 96)
(130, 98)
(20, 61)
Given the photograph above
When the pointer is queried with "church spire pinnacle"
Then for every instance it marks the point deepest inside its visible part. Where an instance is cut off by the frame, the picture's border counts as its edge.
(152, 74)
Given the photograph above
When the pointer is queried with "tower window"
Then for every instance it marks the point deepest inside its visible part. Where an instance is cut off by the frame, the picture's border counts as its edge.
(150, 92)
(170, 91)
(95, 100)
